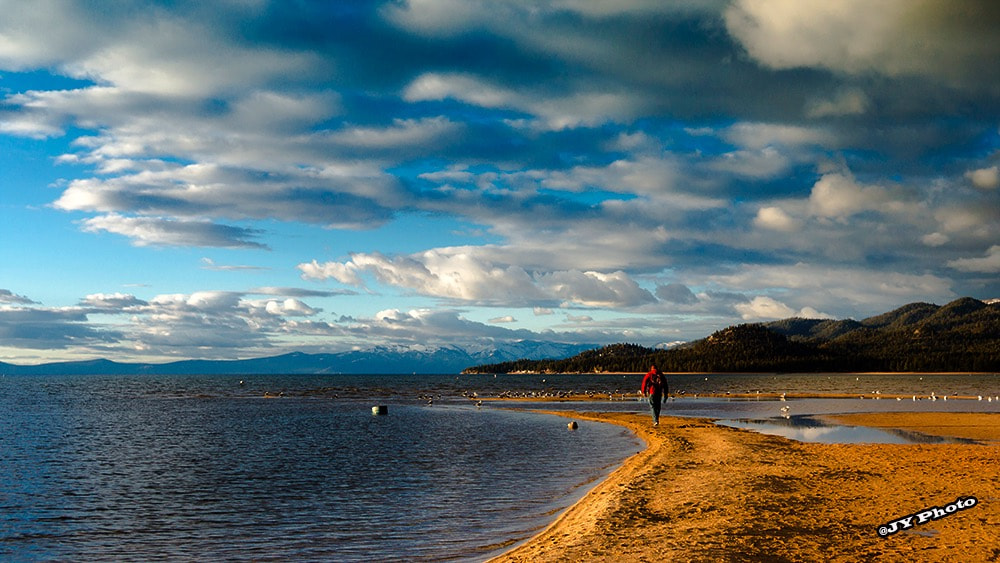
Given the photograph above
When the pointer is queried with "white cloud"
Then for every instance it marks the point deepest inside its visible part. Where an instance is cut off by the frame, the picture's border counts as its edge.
(935, 239)
(276, 112)
(936, 38)
(764, 308)
(553, 112)
(113, 301)
(402, 133)
(345, 273)
(466, 88)
(435, 273)
(762, 135)
(966, 220)
(506, 319)
(839, 196)
(209, 264)
(154, 231)
(348, 197)
(835, 289)
(595, 289)
(288, 307)
(985, 178)
(761, 164)
(775, 219)
(462, 275)
(768, 150)
(986, 264)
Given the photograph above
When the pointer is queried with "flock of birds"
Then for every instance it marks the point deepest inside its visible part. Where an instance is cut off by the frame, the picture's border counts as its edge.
(619, 395)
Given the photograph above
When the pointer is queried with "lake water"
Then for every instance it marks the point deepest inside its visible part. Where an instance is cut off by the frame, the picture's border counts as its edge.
(264, 468)
(187, 468)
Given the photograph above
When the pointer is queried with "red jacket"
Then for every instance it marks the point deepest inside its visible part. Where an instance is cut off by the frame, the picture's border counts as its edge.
(654, 383)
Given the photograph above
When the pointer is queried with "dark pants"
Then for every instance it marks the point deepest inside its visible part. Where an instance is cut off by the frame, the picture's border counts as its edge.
(654, 404)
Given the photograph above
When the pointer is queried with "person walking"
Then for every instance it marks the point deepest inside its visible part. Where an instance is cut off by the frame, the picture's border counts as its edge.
(654, 387)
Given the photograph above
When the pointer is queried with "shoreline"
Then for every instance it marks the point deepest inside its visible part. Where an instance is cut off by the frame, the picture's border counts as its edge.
(769, 396)
(704, 492)
(641, 373)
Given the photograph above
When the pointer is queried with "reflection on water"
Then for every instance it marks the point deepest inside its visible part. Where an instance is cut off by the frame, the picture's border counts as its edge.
(128, 468)
(808, 429)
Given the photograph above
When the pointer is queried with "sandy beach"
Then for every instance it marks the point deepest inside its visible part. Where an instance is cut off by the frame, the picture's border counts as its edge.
(703, 492)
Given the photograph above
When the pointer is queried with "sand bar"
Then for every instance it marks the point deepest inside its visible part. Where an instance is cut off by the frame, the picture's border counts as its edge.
(702, 492)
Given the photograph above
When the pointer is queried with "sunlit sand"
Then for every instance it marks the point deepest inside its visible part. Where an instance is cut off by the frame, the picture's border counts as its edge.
(702, 492)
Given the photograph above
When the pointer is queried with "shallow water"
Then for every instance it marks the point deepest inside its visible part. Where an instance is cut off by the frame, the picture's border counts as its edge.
(808, 429)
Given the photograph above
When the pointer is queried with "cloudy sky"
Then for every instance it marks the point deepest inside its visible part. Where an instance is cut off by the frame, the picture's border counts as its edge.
(244, 178)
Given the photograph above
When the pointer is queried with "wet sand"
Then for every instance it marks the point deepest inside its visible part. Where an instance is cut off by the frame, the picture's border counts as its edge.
(702, 492)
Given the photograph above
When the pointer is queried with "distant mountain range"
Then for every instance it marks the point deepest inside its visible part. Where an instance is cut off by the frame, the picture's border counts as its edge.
(963, 335)
(444, 359)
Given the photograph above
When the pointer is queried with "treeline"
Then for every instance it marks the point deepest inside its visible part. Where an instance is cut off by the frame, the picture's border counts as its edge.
(961, 336)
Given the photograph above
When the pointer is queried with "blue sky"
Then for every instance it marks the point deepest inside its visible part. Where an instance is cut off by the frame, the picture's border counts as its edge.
(245, 178)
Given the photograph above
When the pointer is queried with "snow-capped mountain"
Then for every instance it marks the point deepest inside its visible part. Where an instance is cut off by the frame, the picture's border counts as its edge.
(380, 359)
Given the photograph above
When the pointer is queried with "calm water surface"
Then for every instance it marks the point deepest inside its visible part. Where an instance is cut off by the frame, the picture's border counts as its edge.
(122, 468)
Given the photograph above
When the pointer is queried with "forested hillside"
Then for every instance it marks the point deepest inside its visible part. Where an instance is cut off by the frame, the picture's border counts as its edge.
(963, 335)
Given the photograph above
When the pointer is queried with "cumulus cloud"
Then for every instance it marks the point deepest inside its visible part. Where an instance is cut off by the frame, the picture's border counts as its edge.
(937, 39)
(768, 308)
(762, 307)
(288, 307)
(595, 289)
(463, 276)
(838, 196)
